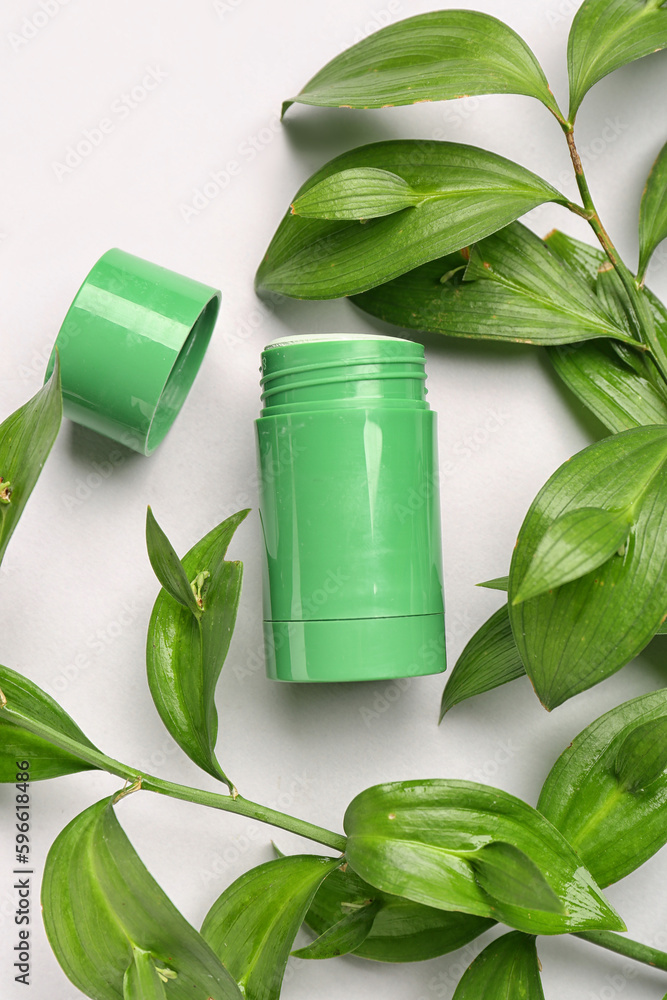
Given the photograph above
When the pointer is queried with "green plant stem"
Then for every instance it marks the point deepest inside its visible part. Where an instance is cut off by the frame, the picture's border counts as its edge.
(626, 946)
(245, 807)
(635, 294)
(228, 803)
(263, 814)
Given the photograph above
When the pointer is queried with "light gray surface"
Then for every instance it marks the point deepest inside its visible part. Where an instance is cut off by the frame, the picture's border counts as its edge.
(77, 588)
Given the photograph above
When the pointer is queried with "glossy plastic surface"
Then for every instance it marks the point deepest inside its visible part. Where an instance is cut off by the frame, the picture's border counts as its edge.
(350, 510)
(130, 347)
(359, 649)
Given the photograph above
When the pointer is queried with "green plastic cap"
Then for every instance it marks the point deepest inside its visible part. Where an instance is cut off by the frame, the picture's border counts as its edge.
(130, 347)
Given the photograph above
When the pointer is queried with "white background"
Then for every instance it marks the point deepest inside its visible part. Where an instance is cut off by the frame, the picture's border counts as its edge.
(76, 585)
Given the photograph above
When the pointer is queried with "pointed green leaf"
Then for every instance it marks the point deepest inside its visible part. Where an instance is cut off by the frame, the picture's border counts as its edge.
(585, 630)
(517, 260)
(508, 967)
(167, 567)
(252, 925)
(21, 704)
(574, 544)
(507, 874)
(361, 193)
(617, 384)
(514, 288)
(653, 210)
(141, 980)
(642, 756)
(419, 839)
(614, 829)
(431, 57)
(606, 35)
(185, 652)
(581, 257)
(26, 438)
(472, 193)
(100, 905)
(612, 294)
(498, 583)
(592, 266)
(402, 931)
(345, 936)
(618, 396)
(491, 658)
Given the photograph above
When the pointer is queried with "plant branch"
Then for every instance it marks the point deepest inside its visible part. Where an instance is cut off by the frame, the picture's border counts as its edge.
(228, 803)
(245, 807)
(639, 301)
(626, 946)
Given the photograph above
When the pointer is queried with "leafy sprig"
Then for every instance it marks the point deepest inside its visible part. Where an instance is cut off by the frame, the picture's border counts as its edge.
(425, 236)
(424, 866)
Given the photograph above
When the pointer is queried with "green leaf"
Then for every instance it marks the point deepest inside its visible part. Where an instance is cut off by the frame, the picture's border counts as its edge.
(422, 840)
(345, 936)
(252, 925)
(507, 874)
(618, 385)
(612, 294)
(431, 57)
(653, 209)
(141, 980)
(26, 438)
(402, 931)
(514, 288)
(574, 544)
(101, 905)
(508, 967)
(22, 703)
(498, 583)
(167, 567)
(472, 193)
(185, 652)
(593, 267)
(519, 261)
(580, 256)
(614, 829)
(642, 756)
(491, 658)
(618, 396)
(361, 193)
(606, 35)
(586, 630)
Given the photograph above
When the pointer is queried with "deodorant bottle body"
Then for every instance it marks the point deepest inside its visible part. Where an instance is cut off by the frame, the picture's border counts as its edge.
(350, 511)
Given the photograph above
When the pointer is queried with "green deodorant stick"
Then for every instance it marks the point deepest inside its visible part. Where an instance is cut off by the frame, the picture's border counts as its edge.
(350, 510)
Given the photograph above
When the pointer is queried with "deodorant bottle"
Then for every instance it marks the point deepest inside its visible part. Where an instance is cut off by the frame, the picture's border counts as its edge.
(350, 510)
